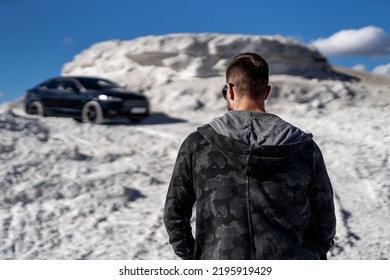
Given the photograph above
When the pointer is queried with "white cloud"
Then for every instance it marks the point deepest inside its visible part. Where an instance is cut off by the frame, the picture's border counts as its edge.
(382, 69)
(360, 67)
(369, 41)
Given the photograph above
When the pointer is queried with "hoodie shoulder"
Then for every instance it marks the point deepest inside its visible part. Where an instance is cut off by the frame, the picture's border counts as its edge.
(210, 136)
(200, 137)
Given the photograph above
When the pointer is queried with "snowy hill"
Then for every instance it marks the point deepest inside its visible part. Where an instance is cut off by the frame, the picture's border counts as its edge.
(168, 67)
(195, 55)
(82, 191)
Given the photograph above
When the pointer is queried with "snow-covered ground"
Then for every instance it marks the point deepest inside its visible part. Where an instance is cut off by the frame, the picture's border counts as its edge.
(83, 191)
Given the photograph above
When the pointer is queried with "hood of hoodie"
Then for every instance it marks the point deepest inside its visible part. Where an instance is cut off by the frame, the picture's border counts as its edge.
(261, 138)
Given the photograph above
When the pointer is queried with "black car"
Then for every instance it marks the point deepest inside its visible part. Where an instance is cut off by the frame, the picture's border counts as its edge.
(86, 99)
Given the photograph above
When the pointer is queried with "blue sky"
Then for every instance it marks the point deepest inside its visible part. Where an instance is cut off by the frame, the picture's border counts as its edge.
(38, 36)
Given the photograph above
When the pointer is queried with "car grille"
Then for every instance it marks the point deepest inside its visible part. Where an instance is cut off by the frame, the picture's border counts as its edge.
(135, 103)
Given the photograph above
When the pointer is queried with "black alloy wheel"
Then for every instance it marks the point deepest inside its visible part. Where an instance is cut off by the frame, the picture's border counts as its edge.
(92, 113)
(35, 108)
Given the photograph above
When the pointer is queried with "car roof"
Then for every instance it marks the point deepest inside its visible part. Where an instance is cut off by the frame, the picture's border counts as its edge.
(58, 78)
(81, 77)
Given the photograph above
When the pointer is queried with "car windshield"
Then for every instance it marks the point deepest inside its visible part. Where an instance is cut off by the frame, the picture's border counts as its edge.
(97, 84)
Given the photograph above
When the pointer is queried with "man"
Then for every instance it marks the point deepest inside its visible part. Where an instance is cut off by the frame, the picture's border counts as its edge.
(260, 184)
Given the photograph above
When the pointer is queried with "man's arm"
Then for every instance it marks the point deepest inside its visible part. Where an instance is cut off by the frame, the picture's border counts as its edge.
(178, 206)
(322, 204)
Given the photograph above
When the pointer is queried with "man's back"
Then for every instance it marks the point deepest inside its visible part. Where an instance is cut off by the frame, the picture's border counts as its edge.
(252, 178)
(261, 186)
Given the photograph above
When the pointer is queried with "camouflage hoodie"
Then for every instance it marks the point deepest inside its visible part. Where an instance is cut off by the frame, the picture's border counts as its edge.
(261, 191)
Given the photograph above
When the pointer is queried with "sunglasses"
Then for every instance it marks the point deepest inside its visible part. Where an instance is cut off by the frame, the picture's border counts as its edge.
(225, 88)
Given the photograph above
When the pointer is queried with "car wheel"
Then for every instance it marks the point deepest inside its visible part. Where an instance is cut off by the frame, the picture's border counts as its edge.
(135, 120)
(92, 113)
(35, 108)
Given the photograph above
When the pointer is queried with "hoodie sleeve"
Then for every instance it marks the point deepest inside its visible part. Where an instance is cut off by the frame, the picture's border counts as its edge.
(178, 206)
(322, 204)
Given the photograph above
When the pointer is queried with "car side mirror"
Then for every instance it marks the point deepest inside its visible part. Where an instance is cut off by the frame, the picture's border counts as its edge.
(79, 89)
(74, 89)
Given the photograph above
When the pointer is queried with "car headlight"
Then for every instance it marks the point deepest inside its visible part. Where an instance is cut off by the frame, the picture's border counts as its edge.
(104, 97)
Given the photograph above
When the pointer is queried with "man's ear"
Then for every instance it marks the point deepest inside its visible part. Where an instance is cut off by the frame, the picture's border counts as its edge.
(267, 92)
(231, 92)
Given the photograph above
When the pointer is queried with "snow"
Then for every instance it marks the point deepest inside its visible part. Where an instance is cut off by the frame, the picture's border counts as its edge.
(83, 191)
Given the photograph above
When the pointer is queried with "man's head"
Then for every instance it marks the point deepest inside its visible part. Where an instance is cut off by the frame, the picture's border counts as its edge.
(247, 78)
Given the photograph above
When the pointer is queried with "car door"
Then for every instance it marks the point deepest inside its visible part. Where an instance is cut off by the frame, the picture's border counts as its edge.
(71, 98)
(49, 95)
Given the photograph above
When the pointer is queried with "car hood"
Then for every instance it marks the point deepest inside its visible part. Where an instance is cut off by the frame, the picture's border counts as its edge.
(121, 93)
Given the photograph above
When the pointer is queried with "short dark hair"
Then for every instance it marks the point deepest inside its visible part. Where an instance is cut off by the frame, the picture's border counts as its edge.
(249, 73)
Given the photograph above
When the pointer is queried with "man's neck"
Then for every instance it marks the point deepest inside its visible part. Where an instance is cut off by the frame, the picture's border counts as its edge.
(250, 106)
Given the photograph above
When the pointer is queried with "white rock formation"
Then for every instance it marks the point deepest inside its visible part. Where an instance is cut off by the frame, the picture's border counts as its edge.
(154, 60)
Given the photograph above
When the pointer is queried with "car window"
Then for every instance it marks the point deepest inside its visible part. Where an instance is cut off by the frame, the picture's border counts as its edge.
(52, 84)
(97, 84)
(69, 85)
